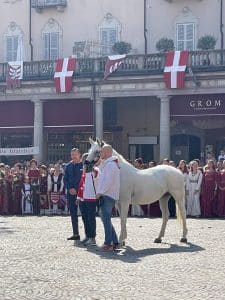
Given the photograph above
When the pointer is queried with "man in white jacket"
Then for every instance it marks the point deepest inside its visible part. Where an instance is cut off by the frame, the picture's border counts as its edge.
(108, 193)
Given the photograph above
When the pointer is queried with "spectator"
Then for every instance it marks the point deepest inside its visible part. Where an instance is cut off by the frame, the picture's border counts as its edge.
(222, 155)
(72, 178)
(209, 188)
(55, 187)
(193, 189)
(220, 201)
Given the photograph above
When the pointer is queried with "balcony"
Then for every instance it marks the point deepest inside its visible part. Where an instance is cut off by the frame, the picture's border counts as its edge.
(134, 65)
(42, 4)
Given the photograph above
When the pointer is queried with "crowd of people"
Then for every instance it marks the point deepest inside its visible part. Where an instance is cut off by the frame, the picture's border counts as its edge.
(32, 189)
(29, 189)
(77, 187)
(204, 187)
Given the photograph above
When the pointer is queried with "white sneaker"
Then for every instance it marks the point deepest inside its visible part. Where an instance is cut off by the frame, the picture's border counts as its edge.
(84, 241)
(90, 242)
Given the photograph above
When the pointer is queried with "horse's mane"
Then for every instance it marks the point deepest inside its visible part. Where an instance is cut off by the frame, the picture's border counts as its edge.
(121, 158)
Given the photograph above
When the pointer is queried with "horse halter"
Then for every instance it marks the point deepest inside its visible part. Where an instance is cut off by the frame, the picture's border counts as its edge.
(89, 165)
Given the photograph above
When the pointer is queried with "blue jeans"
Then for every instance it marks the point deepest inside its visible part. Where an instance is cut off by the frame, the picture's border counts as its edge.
(88, 212)
(73, 212)
(107, 205)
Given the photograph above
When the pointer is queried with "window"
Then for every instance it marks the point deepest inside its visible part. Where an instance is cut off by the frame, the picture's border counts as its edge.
(109, 34)
(52, 40)
(108, 39)
(185, 36)
(11, 48)
(13, 40)
(51, 45)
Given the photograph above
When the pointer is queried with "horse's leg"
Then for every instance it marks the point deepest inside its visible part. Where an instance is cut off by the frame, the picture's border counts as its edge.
(124, 206)
(163, 203)
(181, 213)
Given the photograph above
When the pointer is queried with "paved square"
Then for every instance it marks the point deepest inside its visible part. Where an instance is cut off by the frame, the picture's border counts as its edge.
(37, 262)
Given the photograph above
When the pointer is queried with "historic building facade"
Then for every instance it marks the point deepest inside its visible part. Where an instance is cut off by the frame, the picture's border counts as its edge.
(132, 109)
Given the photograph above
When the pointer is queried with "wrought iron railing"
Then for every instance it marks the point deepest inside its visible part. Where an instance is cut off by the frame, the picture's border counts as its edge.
(208, 61)
(48, 3)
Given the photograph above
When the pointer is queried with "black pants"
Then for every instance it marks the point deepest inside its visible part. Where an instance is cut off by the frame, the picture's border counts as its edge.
(88, 212)
(73, 212)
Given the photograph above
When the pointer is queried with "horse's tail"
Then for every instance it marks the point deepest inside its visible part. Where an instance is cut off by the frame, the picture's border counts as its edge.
(180, 216)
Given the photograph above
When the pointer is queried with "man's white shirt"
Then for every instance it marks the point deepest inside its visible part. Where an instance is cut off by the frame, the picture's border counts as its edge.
(109, 178)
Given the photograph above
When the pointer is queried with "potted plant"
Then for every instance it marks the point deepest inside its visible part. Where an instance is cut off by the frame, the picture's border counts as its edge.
(206, 42)
(164, 45)
(121, 47)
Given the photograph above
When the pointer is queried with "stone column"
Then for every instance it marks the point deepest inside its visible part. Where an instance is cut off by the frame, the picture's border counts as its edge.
(164, 127)
(99, 117)
(38, 128)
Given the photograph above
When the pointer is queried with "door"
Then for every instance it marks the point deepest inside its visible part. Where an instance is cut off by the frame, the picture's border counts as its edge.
(143, 151)
(184, 146)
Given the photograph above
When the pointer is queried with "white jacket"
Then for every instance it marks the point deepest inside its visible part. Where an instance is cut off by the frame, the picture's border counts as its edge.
(90, 184)
(109, 178)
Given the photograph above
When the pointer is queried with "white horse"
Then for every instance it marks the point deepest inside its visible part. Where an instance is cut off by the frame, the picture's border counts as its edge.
(145, 187)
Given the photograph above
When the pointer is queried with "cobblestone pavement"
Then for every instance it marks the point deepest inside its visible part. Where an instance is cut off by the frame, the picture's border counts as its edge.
(37, 262)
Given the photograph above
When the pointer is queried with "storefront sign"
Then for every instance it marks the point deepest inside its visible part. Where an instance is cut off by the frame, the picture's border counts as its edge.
(19, 151)
(198, 105)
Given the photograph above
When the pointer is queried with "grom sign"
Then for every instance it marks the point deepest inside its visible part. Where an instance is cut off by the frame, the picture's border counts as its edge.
(198, 105)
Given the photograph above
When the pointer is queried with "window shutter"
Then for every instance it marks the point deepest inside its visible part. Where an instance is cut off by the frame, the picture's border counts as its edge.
(54, 45)
(108, 39)
(190, 36)
(46, 46)
(185, 36)
(112, 37)
(180, 37)
(11, 48)
(104, 42)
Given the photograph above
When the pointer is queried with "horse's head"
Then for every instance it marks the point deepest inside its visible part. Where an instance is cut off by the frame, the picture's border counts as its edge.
(93, 153)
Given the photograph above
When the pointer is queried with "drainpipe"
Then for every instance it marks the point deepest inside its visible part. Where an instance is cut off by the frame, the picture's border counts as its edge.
(30, 33)
(145, 27)
(221, 24)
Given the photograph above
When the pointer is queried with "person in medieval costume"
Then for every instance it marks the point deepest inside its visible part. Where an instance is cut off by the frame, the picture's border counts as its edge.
(55, 188)
(27, 203)
(44, 203)
(209, 190)
(193, 190)
(220, 202)
(8, 183)
(18, 179)
(136, 209)
(34, 176)
(2, 191)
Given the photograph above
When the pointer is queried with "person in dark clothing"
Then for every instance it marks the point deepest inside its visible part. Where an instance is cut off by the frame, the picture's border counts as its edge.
(73, 172)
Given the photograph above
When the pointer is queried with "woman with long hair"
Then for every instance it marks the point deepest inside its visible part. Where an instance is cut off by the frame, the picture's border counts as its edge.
(209, 188)
(193, 189)
(220, 201)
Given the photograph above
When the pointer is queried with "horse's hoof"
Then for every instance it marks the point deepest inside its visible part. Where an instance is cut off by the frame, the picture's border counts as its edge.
(158, 241)
(183, 240)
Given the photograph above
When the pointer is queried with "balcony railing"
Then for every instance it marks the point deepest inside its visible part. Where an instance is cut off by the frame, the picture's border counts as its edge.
(40, 4)
(151, 64)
